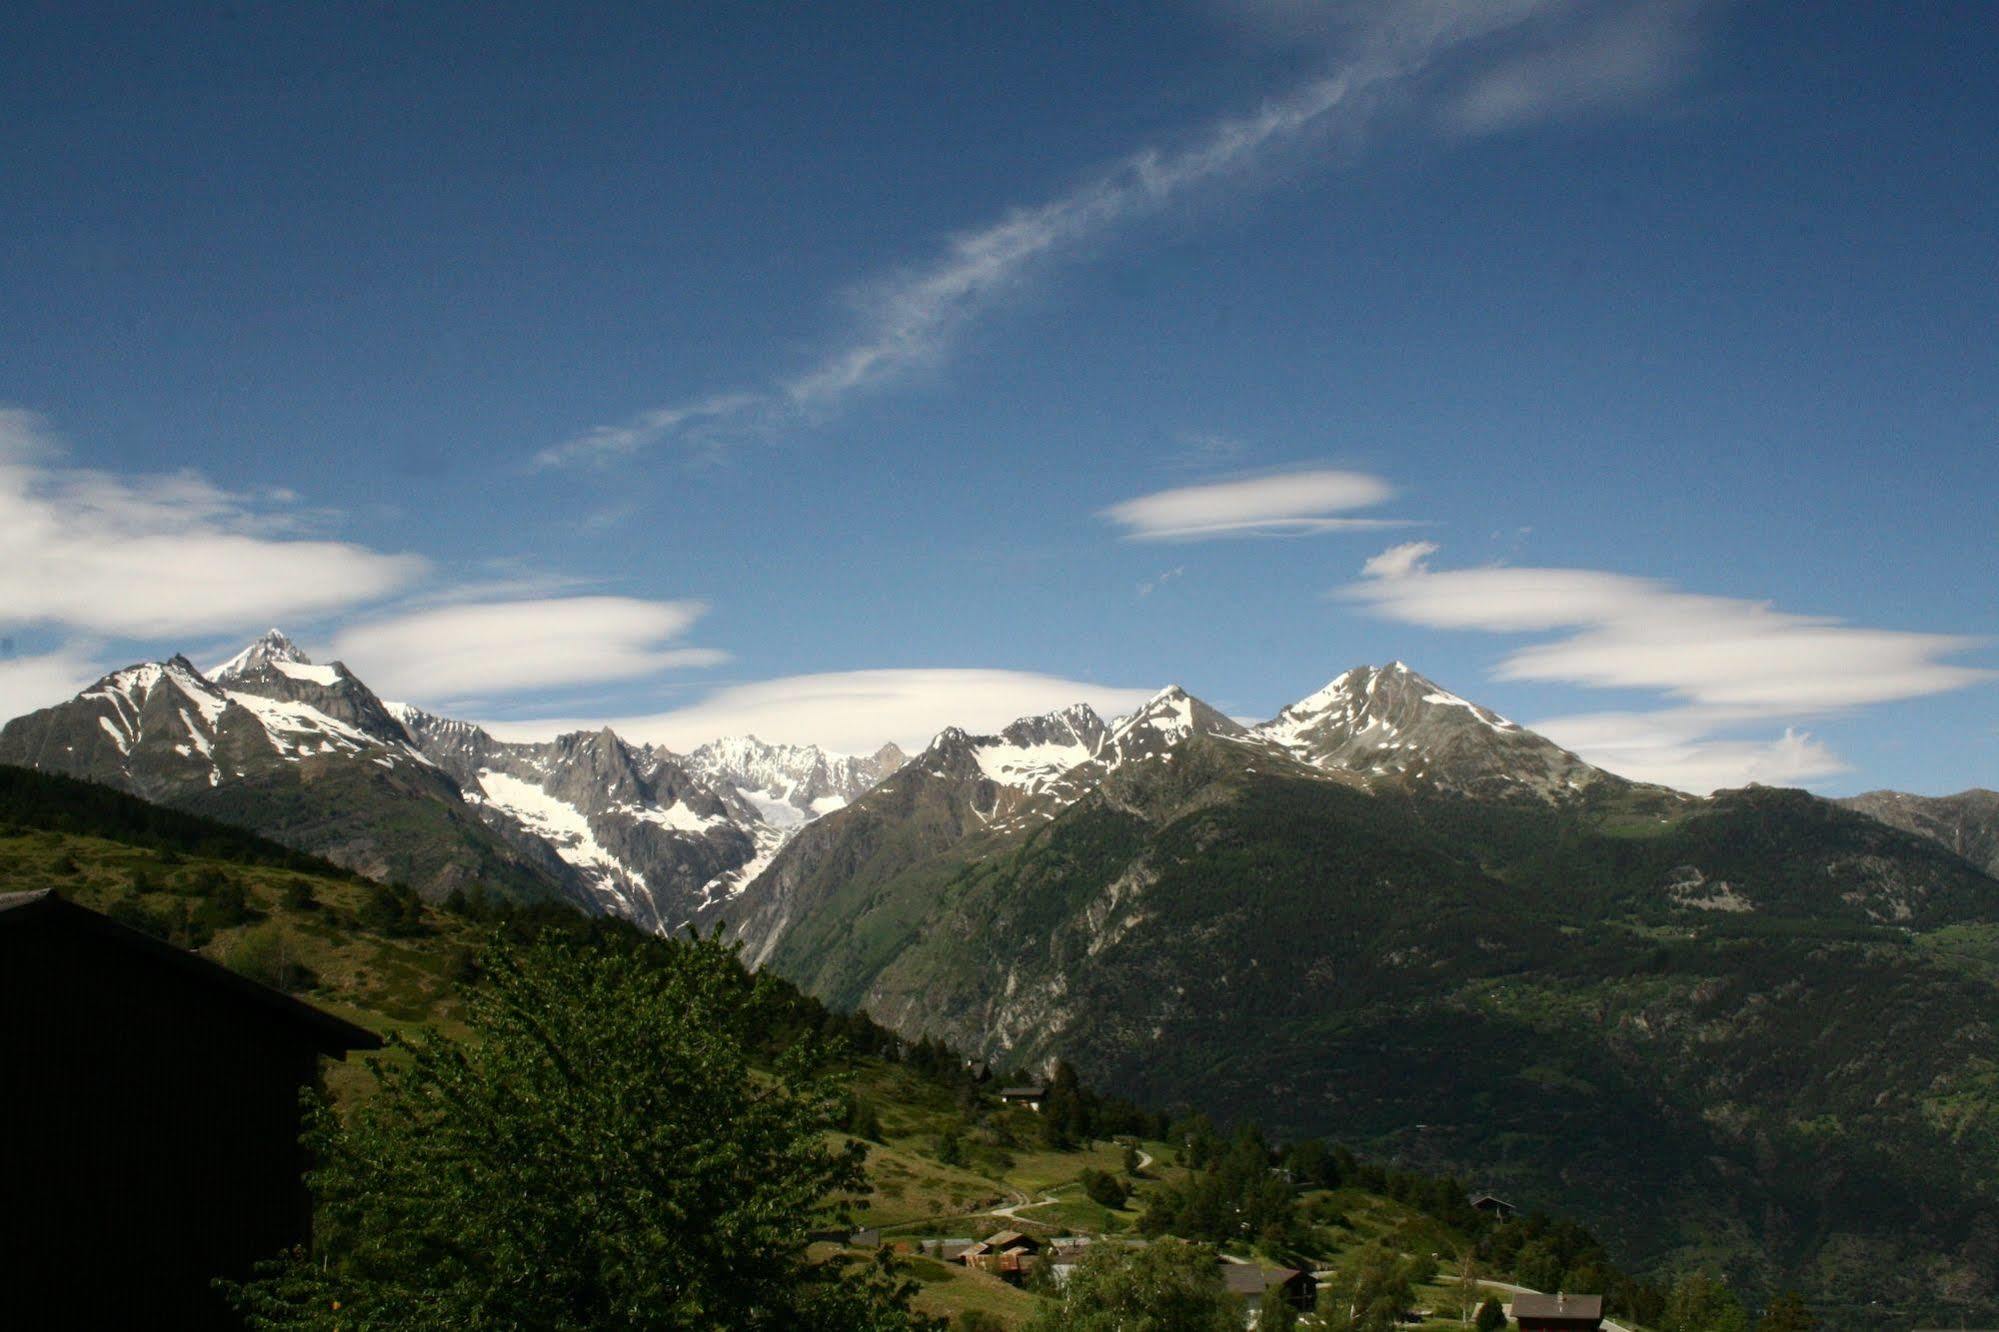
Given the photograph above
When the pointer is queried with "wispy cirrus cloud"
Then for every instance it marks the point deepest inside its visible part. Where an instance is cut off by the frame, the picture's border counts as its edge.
(908, 318)
(1581, 60)
(1530, 57)
(1294, 503)
(1723, 664)
(853, 711)
(481, 650)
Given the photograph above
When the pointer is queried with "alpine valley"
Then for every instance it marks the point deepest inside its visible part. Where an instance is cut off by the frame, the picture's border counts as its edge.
(1754, 1029)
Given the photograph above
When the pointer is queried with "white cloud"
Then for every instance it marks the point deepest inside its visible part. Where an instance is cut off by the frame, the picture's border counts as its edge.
(164, 555)
(480, 650)
(1288, 503)
(1678, 747)
(1585, 59)
(853, 711)
(1728, 663)
(605, 443)
(908, 318)
(29, 683)
(1399, 560)
(1524, 60)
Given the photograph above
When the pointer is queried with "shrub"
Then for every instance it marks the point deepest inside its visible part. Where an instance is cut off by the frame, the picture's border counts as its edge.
(266, 955)
(1105, 1189)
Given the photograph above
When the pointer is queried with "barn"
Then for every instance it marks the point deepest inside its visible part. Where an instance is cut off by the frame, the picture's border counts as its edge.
(151, 1117)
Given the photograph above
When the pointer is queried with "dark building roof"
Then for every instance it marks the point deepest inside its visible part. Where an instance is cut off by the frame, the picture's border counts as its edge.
(331, 1035)
(1249, 1279)
(1007, 1239)
(1482, 1201)
(1558, 1306)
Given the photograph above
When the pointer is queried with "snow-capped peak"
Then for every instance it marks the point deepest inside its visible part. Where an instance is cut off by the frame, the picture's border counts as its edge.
(270, 650)
(806, 778)
(1380, 720)
(1392, 697)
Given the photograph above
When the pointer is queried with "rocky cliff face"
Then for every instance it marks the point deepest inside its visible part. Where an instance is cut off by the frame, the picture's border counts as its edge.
(1966, 823)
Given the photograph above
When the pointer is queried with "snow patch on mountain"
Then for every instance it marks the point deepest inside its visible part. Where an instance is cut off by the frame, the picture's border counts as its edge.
(555, 821)
(302, 670)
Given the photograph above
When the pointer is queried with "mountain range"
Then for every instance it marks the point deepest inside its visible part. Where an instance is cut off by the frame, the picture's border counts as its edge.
(1753, 1029)
(309, 755)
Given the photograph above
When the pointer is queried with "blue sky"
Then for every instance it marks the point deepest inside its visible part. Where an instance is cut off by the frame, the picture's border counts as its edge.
(817, 369)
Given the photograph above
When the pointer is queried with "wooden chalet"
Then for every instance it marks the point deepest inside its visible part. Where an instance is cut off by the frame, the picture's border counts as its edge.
(150, 1119)
(1494, 1207)
(1005, 1254)
(1253, 1285)
(1560, 1312)
(1030, 1095)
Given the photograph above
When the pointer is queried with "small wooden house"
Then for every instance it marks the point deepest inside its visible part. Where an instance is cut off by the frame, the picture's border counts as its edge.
(150, 1121)
(1493, 1207)
(1253, 1285)
(1030, 1095)
(1004, 1254)
(1560, 1312)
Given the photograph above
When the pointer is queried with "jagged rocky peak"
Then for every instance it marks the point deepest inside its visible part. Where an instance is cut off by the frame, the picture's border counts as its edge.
(1391, 720)
(1167, 718)
(1383, 696)
(266, 652)
(1076, 725)
(274, 668)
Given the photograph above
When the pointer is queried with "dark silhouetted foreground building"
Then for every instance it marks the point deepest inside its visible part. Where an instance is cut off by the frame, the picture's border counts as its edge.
(149, 1121)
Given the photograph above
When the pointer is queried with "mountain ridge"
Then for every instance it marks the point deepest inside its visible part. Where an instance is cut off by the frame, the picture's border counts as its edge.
(307, 753)
(1389, 907)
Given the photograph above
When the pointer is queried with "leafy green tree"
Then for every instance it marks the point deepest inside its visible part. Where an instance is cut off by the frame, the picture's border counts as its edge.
(598, 1152)
(1491, 1316)
(1105, 1189)
(1132, 1160)
(1171, 1286)
(1310, 1164)
(1275, 1314)
(1369, 1292)
(393, 909)
(1787, 1313)
(862, 1119)
(1699, 1302)
(225, 906)
(267, 955)
(951, 1146)
(1539, 1265)
(978, 1320)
